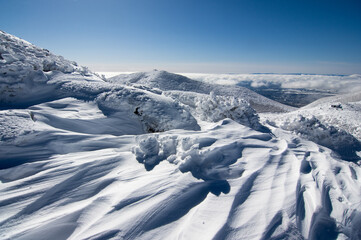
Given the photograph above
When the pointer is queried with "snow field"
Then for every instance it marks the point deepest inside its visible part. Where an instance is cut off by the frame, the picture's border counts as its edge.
(226, 181)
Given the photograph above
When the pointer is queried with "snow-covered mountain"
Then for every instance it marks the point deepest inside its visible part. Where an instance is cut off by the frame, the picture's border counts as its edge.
(169, 81)
(160, 156)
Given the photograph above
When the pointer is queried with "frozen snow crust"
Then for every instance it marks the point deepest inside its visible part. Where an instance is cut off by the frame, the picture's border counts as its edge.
(84, 158)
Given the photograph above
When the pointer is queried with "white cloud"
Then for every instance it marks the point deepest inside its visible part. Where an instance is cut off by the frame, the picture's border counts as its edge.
(335, 83)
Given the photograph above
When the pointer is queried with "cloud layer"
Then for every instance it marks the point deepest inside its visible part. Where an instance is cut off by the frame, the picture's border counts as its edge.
(333, 83)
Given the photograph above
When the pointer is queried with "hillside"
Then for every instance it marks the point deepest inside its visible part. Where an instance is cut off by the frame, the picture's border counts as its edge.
(166, 81)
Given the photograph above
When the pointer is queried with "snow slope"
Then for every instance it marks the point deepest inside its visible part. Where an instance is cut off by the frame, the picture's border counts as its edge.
(92, 159)
(26, 69)
(343, 98)
(333, 122)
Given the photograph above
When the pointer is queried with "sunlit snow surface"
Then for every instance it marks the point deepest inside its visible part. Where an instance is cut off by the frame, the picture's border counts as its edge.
(96, 159)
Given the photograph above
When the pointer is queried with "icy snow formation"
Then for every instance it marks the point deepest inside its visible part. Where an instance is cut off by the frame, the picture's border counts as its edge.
(25, 69)
(212, 108)
(333, 122)
(82, 162)
(312, 129)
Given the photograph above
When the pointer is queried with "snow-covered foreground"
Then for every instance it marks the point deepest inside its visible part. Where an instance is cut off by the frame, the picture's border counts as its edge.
(159, 156)
(226, 181)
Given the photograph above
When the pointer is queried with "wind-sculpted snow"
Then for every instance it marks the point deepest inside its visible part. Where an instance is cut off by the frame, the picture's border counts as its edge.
(329, 136)
(213, 108)
(194, 155)
(224, 182)
(84, 158)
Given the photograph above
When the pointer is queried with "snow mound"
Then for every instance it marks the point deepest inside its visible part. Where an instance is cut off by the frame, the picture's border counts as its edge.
(169, 81)
(344, 98)
(333, 122)
(329, 136)
(15, 123)
(195, 96)
(20, 58)
(194, 155)
(157, 113)
(25, 69)
(214, 108)
(158, 79)
(345, 116)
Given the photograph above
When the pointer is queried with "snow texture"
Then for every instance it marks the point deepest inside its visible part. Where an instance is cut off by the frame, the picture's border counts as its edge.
(333, 122)
(160, 156)
(25, 70)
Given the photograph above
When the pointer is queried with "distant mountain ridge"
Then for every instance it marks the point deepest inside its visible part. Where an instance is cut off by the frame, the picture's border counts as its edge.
(169, 81)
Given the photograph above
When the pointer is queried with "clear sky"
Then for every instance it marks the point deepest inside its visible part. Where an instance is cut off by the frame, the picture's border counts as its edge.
(240, 36)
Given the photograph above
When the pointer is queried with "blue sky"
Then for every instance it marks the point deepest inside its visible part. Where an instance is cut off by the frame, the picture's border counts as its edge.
(241, 36)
